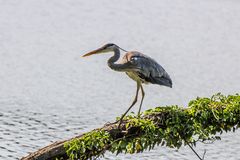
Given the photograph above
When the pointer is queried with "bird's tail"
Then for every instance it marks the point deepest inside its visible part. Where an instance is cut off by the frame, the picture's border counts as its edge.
(165, 81)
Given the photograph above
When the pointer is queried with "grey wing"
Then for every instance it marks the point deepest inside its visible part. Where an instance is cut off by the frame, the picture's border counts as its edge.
(149, 70)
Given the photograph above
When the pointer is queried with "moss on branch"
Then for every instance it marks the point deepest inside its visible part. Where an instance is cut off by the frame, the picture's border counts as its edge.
(170, 126)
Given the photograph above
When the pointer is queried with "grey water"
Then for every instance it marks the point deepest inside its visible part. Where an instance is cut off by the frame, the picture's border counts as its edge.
(49, 93)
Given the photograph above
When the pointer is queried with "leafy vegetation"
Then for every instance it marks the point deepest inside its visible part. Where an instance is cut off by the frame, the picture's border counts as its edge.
(170, 126)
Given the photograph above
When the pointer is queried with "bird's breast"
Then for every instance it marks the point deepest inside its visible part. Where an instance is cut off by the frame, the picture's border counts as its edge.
(135, 77)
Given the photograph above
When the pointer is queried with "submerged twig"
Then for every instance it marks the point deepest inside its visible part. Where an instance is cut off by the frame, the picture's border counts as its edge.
(159, 126)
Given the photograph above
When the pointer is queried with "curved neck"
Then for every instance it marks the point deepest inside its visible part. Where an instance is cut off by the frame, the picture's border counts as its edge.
(113, 59)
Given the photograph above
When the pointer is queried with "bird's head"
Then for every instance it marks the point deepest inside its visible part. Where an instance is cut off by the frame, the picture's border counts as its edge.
(104, 49)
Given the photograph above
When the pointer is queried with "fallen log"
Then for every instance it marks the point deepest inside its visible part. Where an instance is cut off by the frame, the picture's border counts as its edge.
(171, 126)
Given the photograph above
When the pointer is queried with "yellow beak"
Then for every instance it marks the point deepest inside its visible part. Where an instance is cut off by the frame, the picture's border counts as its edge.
(97, 51)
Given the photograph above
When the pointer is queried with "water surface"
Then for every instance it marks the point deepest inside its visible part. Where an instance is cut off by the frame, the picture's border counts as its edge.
(49, 93)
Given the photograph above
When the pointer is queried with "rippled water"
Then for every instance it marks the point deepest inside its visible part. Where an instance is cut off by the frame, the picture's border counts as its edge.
(49, 93)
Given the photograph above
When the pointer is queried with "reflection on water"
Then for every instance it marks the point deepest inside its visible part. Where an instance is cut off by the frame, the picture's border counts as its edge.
(49, 93)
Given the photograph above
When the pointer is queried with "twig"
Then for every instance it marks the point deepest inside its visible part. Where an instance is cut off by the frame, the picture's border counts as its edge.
(194, 151)
(204, 154)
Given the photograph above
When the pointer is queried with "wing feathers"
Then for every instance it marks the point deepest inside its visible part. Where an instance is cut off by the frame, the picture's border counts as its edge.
(149, 70)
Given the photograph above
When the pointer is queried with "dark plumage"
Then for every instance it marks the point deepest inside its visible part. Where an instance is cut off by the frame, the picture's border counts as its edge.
(138, 67)
(147, 69)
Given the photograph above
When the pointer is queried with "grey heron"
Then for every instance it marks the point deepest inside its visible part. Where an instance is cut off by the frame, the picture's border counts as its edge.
(139, 67)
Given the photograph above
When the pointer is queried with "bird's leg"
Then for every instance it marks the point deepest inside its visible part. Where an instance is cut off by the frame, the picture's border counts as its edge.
(143, 94)
(134, 102)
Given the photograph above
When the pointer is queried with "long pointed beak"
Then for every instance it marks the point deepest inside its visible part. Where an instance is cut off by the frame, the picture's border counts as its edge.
(97, 51)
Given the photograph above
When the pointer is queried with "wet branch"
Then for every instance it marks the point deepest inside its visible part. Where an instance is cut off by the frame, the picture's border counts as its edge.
(170, 126)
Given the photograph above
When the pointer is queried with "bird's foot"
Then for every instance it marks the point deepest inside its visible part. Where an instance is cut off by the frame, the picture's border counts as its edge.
(139, 115)
(119, 123)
